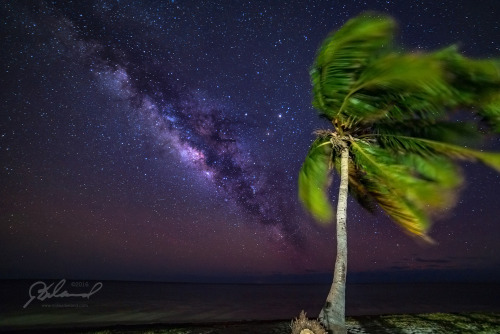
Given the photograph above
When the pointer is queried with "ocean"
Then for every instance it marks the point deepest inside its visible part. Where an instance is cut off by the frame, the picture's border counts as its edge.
(126, 303)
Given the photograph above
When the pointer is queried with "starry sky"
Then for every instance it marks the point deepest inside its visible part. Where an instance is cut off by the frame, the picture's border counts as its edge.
(161, 140)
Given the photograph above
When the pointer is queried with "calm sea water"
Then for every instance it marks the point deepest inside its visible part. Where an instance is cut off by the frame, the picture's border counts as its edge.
(141, 303)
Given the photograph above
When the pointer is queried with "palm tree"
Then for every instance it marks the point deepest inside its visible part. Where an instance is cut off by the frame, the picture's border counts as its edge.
(395, 141)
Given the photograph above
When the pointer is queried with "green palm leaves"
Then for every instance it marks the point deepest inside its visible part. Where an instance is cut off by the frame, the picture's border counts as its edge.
(392, 112)
(358, 78)
(341, 57)
(314, 180)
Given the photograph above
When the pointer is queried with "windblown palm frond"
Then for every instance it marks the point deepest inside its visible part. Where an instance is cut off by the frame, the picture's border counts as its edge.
(491, 111)
(358, 190)
(315, 178)
(432, 148)
(382, 82)
(409, 187)
(476, 83)
(463, 133)
(343, 55)
(471, 77)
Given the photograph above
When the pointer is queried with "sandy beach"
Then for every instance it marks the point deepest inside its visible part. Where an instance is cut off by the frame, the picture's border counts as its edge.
(435, 323)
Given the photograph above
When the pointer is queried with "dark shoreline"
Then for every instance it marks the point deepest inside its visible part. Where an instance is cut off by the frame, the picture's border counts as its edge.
(467, 322)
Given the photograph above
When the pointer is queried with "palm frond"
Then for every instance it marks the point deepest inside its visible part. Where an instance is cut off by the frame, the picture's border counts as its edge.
(427, 147)
(382, 186)
(476, 83)
(407, 73)
(343, 55)
(491, 111)
(471, 77)
(465, 133)
(409, 188)
(358, 190)
(315, 178)
(435, 183)
(408, 83)
(411, 219)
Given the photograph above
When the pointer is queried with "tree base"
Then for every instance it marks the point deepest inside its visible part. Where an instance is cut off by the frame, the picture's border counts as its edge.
(337, 329)
(333, 318)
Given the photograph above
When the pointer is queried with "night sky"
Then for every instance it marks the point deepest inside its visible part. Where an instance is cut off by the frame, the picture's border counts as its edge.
(161, 140)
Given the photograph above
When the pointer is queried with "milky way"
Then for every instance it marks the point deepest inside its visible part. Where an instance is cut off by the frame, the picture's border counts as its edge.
(199, 130)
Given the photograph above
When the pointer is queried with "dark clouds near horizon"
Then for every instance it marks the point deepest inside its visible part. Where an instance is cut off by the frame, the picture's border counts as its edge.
(162, 140)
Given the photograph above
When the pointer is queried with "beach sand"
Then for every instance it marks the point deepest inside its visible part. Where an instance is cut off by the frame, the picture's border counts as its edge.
(435, 323)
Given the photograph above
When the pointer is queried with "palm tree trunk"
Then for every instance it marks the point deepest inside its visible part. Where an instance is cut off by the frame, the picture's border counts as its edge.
(332, 315)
